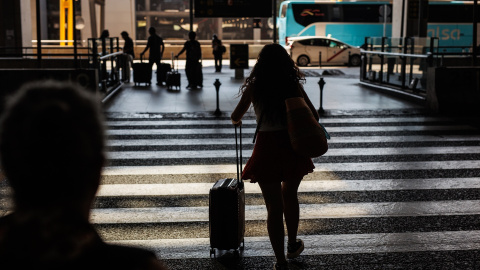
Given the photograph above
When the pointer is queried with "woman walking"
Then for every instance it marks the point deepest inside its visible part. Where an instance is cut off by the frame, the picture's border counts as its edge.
(274, 165)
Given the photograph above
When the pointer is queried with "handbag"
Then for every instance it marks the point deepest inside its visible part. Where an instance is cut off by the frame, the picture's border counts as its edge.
(307, 136)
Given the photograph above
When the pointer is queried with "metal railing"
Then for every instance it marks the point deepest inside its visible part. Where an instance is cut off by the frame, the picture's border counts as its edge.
(101, 54)
(403, 63)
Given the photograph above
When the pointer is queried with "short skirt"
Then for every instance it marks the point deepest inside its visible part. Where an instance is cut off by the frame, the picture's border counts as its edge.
(273, 160)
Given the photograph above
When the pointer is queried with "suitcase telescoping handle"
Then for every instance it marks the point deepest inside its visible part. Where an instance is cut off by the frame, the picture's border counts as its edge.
(173, 63)
(239, 161)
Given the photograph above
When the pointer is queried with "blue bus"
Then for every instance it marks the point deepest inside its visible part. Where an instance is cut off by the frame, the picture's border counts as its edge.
(351, 22)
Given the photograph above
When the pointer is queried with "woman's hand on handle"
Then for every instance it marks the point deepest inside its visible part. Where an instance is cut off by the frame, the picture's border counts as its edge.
(237, 123)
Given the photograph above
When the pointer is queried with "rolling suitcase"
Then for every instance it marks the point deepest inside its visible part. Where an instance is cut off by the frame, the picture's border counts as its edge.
(162, 73)
(227, 210)
(199, 74)
(173, 77)
(142, 72)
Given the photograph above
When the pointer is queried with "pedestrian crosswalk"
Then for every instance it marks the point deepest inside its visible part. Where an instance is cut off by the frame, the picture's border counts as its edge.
(392, 192)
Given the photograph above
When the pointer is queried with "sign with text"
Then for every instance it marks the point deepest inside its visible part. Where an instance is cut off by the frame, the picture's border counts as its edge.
(233, 8)
(238, 56)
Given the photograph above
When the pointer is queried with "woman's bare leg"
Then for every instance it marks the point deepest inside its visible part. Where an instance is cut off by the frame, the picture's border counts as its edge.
(291, 208)
(272, 194)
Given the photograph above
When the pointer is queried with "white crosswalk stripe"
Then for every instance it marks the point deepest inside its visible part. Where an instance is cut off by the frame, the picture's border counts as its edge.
(308, 211)
(324, 244)
(217, 130)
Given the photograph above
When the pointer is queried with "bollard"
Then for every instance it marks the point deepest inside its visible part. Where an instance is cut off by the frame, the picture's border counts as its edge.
(320, 59)
(321, 83)
(217, 88)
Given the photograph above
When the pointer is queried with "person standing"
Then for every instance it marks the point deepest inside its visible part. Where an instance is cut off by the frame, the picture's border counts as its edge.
(156, 46)
(218, 51)
(129, 55)
(56, 130)
(193, 67)
(274, 165)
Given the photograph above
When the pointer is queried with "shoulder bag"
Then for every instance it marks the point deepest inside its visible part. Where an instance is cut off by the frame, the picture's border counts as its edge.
(307, 136)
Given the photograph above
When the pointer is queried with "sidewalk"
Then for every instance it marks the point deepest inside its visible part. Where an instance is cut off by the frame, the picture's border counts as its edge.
(341, 93)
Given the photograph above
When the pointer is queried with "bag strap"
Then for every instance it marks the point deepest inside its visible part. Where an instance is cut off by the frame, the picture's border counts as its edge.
(258, 128)
(239, 161)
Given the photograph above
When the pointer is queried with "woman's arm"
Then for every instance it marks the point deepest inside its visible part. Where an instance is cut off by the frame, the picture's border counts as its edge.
(241, 108)
(310, 105)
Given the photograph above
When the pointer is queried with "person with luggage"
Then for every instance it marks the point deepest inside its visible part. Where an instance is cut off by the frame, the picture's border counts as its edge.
(218, 51)
(274, 165)
(193, 67)
(128, 56)
(52, 143)
(156, 46)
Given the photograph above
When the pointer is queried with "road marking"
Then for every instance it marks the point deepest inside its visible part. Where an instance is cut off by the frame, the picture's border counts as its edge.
(322, 244)
(187, 131)
(250, 121)
(181, 189)
(355, 139)
(331, 152)
(307, 211)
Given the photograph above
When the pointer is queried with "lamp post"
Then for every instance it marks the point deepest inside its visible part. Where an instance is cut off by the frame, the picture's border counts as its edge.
(217, 88)
(321, 83)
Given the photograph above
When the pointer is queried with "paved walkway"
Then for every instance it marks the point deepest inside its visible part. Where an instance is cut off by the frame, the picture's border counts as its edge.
(341, 93)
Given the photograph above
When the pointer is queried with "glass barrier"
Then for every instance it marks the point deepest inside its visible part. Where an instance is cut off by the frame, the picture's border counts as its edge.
(398, 62)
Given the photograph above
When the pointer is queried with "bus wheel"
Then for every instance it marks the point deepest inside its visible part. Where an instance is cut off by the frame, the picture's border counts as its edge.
(355, 60)
(303, 60)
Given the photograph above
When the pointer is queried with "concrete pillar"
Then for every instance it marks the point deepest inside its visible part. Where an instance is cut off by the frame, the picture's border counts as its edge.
(219, 30)
(26, 22)
(149, 20)
(398, 9)
(86, 32)
(120, 17)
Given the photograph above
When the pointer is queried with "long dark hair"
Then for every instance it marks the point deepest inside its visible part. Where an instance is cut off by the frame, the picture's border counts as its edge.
(274, 78)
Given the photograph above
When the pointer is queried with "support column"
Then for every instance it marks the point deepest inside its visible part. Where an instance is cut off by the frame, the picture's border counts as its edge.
(219, 22)
(26, 23)
(93, 19)
(86, 31)
(398, 18)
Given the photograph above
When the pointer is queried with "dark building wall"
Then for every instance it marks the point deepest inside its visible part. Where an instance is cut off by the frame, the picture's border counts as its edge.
(10, 26)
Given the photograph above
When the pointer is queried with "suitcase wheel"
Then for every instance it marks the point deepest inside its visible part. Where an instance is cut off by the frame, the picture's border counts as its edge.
(212, 251)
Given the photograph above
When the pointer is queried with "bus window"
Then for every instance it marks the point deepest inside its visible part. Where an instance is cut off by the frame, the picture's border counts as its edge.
(363, 13)
(336, 14)
(283, 14)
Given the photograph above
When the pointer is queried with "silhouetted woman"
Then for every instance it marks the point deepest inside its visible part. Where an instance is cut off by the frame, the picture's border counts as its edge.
(273, 164)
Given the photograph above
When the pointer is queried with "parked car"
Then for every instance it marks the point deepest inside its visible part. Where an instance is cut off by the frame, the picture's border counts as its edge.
(306, 50)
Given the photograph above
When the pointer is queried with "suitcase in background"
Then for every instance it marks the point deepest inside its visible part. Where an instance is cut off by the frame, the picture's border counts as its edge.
(199, 74)
(162, 73)
(227, 211)
(173, 77)
(142, 72)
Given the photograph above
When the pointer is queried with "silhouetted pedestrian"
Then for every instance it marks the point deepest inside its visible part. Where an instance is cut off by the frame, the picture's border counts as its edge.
(52, 153)
(218, 51)
(274, 164)
(128, 56)
(193, 67)
(156, 46)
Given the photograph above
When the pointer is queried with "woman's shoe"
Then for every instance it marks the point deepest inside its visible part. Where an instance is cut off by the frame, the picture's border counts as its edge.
(277, 266)
(294, 249)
